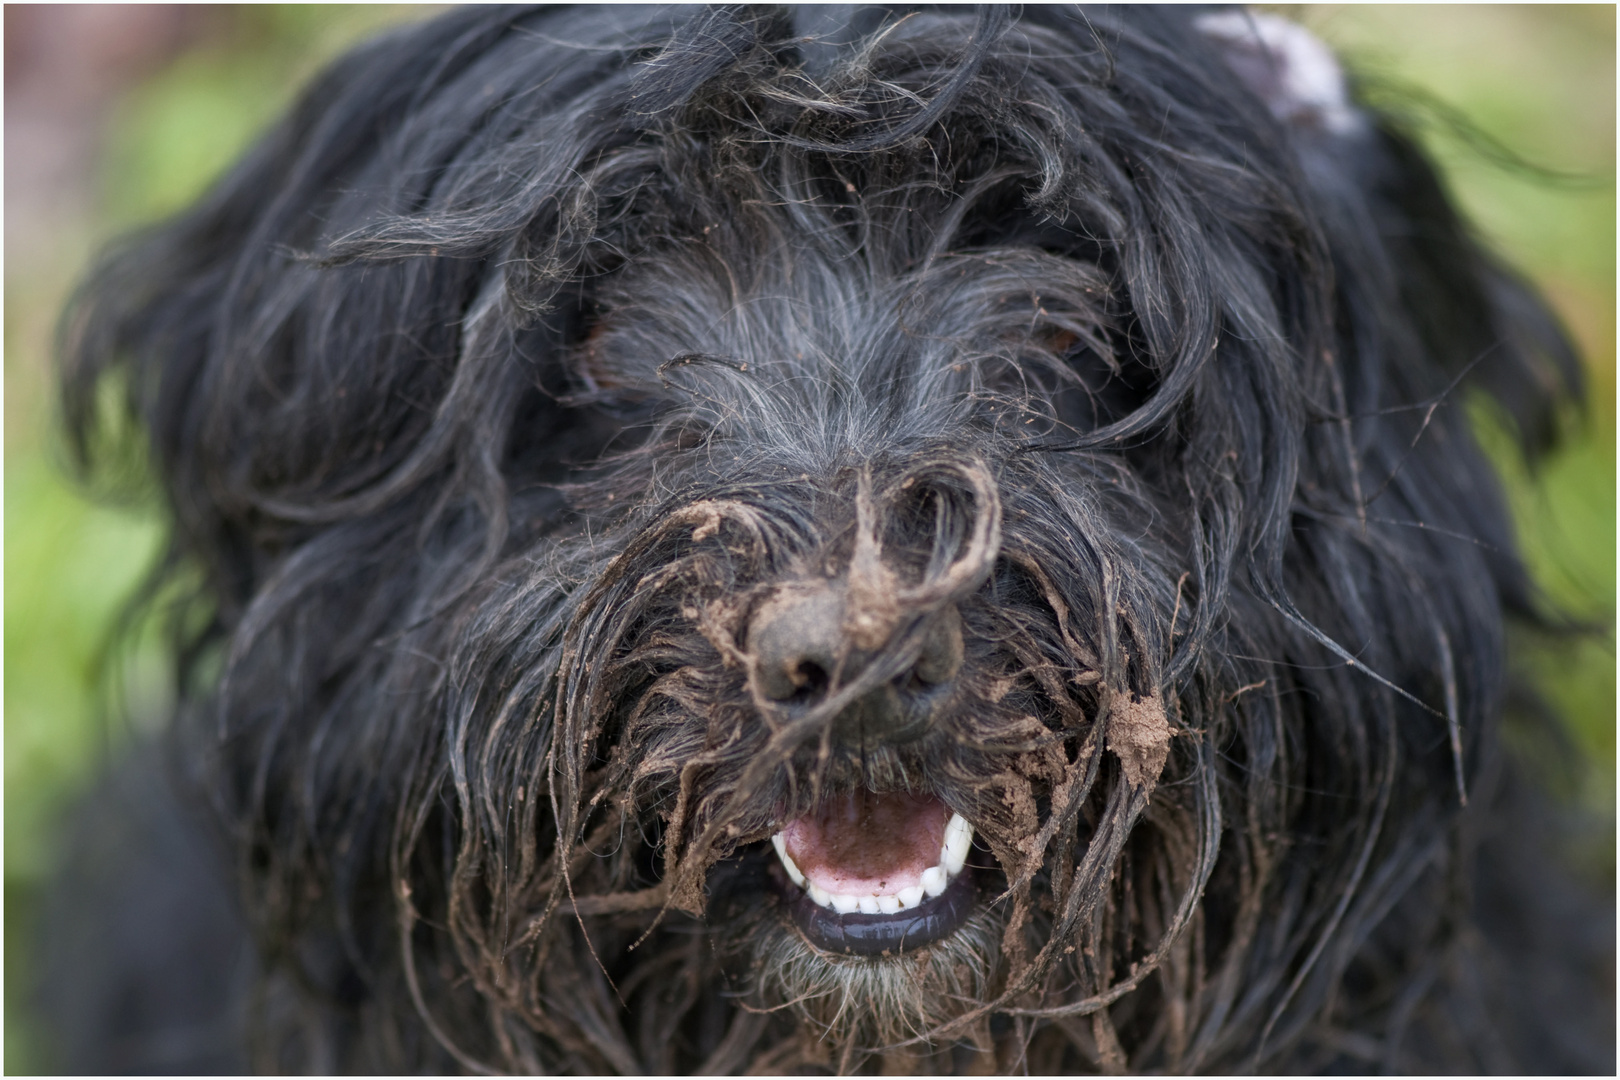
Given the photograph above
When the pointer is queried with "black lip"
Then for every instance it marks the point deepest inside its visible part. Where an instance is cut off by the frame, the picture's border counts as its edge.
(879, 935)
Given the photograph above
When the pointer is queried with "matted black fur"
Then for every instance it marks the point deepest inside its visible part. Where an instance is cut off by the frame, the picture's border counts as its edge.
(502, 388)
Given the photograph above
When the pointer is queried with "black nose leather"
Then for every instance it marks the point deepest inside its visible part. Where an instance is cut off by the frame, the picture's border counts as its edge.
(797, 642)
(800, 645)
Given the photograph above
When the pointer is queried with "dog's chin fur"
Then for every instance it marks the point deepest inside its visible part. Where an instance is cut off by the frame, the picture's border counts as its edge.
(526, 401)
(857, 1006)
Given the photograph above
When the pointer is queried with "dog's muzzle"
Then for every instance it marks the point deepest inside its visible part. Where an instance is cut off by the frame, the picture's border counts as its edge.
(872, 873)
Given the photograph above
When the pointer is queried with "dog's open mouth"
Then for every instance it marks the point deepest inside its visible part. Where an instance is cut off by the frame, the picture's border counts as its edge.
(878, 872)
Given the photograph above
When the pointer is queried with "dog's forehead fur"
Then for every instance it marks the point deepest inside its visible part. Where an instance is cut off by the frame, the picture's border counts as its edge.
(855, 299)
(508, 395)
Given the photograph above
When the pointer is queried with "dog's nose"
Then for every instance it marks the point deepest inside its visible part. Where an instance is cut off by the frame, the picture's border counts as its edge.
(800, 645)
(797, 643)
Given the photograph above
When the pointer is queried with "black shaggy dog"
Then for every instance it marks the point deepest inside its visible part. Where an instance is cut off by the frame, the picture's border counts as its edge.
(745, 540)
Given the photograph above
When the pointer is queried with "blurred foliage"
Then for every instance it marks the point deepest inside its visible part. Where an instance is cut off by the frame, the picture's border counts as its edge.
(1539, 81)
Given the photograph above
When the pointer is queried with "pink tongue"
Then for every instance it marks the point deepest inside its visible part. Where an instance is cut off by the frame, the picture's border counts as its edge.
(866, 844)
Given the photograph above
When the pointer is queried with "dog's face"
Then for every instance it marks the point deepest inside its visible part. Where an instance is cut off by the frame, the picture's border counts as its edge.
(755, 546)
(876, 597)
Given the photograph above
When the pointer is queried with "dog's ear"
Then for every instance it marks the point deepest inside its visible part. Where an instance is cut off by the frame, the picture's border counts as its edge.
(1285, 66)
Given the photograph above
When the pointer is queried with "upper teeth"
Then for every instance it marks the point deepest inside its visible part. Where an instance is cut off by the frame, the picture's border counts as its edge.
(953, 851)
(781, 853)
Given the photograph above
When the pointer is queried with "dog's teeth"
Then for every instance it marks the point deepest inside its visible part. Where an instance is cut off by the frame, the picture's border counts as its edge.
(958, 839)
(953, 854)
(788, 864)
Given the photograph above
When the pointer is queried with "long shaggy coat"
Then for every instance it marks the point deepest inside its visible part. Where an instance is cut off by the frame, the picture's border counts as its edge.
(502, 387)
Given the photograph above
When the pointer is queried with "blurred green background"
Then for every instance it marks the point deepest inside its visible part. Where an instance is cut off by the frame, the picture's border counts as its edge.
(118, 115)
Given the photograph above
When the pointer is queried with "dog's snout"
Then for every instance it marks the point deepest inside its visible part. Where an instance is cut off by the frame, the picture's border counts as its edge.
(801, 644)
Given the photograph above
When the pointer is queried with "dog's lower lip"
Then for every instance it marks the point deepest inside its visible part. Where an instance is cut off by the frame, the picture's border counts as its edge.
(886, 935)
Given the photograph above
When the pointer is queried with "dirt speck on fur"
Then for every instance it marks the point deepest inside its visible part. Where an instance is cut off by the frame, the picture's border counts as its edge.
(1139, 735)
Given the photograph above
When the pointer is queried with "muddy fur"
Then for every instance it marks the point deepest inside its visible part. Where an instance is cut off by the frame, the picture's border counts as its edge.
(500, 389)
